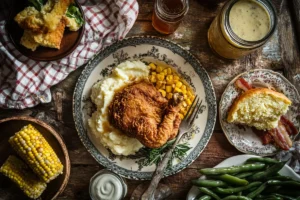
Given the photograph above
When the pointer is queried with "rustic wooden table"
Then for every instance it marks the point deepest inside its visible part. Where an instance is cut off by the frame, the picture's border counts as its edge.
(280, 54)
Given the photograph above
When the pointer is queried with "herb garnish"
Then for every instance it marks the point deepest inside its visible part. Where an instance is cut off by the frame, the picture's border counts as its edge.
(74, 12)
(154, 156)
(37, 4)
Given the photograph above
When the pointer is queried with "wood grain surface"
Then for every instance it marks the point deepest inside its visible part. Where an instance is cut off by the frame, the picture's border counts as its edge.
(281, 54)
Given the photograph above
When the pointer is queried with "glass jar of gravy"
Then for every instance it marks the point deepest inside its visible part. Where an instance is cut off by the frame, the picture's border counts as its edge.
(168, 14)
(241, 27)
(106, 185)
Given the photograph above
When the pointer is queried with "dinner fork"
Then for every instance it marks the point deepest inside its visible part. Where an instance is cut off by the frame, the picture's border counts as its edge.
(184, 127)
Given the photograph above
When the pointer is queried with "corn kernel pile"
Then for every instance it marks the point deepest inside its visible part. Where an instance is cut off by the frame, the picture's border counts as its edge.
(168, 82)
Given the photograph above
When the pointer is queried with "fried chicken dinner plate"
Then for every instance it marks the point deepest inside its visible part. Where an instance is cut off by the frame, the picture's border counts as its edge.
(69, 41)
(244, 138)
(107, 65)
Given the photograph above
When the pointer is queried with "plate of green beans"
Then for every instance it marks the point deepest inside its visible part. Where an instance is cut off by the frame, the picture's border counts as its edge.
(246, 177)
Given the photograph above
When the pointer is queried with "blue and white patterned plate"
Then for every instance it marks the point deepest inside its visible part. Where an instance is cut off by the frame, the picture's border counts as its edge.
(147, 49)
(242, 137)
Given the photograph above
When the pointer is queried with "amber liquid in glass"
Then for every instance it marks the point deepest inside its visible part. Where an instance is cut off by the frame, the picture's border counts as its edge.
(167, 25)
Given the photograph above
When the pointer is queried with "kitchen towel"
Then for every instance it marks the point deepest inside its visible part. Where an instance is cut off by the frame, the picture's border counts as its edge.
(25, 83)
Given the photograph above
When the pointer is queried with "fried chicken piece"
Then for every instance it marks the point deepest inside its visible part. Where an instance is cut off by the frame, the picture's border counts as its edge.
(28, 41)
(140, 111)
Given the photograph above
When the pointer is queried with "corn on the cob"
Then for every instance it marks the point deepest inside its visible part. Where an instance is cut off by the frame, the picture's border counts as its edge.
(37, 153)
(20, 173)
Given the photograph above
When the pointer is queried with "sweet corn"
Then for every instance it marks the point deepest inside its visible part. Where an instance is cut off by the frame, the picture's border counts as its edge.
(178, 84)
(176, 89)
(159, 69)
(176, 78)
(20, 173)
(153, 66)
(160, 76)
(169, 71)
(165, 71)
(169, 95)
(168, 88)
(181, 116)
(163, 93)
(169, 79)
(37, 153)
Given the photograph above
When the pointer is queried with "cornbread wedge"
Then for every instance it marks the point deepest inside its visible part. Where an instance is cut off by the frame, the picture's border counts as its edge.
(28, 41)
(53, 18)
(51, 39)
(260, 108)
(33, 148)
(20, 173)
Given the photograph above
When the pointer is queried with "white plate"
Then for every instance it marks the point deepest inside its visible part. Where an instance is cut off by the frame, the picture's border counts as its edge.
(243, 137)
(148, 49)
(239, 160)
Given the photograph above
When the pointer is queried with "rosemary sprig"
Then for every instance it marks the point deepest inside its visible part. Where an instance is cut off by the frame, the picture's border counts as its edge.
(154, 156)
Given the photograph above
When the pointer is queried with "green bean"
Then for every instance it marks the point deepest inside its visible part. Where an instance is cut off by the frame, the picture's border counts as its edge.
(209, 192)
(233, 180)
(208, 183)
(281, 178)
(233, 169)
(262, 160)
(285, 183)
(205, 197)
(289, 192)
(257, 191)
(268, 197)
(244, 175)
(268, 172)
(285, 197)
(234, 197)
(271, 189)
(237, 189)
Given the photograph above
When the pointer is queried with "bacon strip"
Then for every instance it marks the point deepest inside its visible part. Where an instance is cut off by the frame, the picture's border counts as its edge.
(281, 134)
(242, 84)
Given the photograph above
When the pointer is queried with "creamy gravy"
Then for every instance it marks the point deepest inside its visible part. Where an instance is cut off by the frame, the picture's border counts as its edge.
(249, 20)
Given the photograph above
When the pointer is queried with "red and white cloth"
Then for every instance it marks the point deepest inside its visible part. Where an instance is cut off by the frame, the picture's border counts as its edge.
(25, 83)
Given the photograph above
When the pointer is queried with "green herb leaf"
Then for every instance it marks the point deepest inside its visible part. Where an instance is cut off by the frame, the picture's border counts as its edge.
(37, 4)
(74, 12)
(154, 156)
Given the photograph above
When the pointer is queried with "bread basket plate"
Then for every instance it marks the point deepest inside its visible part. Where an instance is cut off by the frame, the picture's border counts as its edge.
(147, 49)
(69, 42)
(239, 160)
(243, 137)
(8, 127)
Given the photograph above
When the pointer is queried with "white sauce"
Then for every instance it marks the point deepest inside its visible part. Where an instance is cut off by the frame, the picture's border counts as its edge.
(249, 20)
(106, 187)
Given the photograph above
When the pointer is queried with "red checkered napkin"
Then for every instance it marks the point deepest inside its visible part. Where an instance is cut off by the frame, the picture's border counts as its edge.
(25, 83)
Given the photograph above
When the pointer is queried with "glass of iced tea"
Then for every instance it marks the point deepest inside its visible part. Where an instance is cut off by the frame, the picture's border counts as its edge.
(168, 14)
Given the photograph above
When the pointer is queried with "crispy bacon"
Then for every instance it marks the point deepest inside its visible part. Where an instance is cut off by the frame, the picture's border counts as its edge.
(281, 134)
(291, 129)
(242, 84)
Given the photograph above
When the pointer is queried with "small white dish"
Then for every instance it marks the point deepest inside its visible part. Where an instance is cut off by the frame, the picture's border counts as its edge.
(239, 160)
(242, 137)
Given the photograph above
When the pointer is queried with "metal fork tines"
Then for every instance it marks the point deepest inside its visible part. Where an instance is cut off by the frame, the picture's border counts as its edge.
(190, 117)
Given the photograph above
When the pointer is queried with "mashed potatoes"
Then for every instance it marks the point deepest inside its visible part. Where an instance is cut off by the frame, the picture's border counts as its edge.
(102, 94)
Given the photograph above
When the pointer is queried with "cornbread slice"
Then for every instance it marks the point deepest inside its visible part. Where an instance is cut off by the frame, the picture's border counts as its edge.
(51, 39)
(34, 149)
(20, 173)
(28, 41)
(30, 19)
(53, 18)
(260, 108)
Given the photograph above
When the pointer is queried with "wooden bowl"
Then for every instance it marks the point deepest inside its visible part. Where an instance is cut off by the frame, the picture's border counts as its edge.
(8, 127)
(69, 42)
